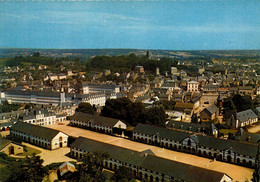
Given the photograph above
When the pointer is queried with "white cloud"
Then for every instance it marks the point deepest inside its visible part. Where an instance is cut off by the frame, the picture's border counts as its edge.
(209, 28)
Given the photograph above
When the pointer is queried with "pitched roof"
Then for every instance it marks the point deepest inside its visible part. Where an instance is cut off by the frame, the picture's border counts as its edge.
(193, 127)
(212, 109)
(221, 144)
(245, 115)
(245, 136)
(35, 130)
(163, 132)
(99, 120)
(205, 141)
(4, 142)
(147, 161)
(184, 105)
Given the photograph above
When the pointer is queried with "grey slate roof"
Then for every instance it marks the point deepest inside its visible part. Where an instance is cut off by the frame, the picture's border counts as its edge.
(4, 142)
(32, 114)
(245, 115)
(163, 132)
(35, 130)
(258, 109)
(212, 109)
(245, 136)
(221, 144)
(205, 141)
(99, 120)
(168, 167)
(192, 127)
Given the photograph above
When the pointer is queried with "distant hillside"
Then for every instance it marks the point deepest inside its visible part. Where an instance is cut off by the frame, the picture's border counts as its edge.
(155, 54)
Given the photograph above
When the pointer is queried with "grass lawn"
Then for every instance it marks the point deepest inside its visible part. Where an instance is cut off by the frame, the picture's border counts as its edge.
(29, 151)
(226, 131)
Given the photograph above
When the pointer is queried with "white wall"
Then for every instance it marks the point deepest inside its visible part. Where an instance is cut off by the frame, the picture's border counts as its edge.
(55, 143)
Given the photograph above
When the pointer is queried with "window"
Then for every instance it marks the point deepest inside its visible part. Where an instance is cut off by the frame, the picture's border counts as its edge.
(60, 139)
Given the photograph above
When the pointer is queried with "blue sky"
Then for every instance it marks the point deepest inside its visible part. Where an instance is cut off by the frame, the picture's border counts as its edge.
(174, 25)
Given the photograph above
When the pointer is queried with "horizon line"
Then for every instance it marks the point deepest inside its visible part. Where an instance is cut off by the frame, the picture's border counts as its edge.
(133, 49)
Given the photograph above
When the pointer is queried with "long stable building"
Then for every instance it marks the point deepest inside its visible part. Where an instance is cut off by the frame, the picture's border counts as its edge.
(40, 136)
(94, 122)
(144, 165)
(207, 146)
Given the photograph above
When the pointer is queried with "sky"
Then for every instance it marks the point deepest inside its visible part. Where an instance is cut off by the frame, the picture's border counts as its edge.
(141, 24)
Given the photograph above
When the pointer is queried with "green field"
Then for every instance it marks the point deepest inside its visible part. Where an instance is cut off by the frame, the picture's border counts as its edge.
(29, 151)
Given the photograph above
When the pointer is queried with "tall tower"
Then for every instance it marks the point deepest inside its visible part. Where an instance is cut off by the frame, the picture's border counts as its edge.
(157, 71)
(148, 54)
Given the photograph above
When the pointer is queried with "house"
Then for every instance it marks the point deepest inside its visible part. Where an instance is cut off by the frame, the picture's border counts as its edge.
(94, 122)
(164, 97)
(242, 118)
(43, 118)
(187, 108)
(210, 89)
(245, 90)
(207, 146)
(209, 113)
(258, 91)
(193, 86)
(245, 136)
(208, 129)
(258, 112)
(170, 85)
(7, 125)
(9, 147)
(40, 136)
(66, 167)
(139, 69)
(176, 115)
(142, 163)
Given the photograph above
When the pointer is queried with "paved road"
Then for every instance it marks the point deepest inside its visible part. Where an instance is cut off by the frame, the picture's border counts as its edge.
(254, 129)
(238, 173)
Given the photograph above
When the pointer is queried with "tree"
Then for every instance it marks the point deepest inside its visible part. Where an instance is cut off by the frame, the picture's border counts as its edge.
(155, 116)
(86, 107)
(135, 113)
(91, 167)
(194, 118)
(36, 54)
(31, 170)
(123, 174)
(242, 102)
(117, 108)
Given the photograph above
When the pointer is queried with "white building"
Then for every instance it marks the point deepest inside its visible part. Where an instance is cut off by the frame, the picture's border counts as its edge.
(40, 136)
(174, 70)
(43, 118)
(36, 97)
(242, 118)
(97, 88)
(193, 86)
(98, 99)
(258, 91)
